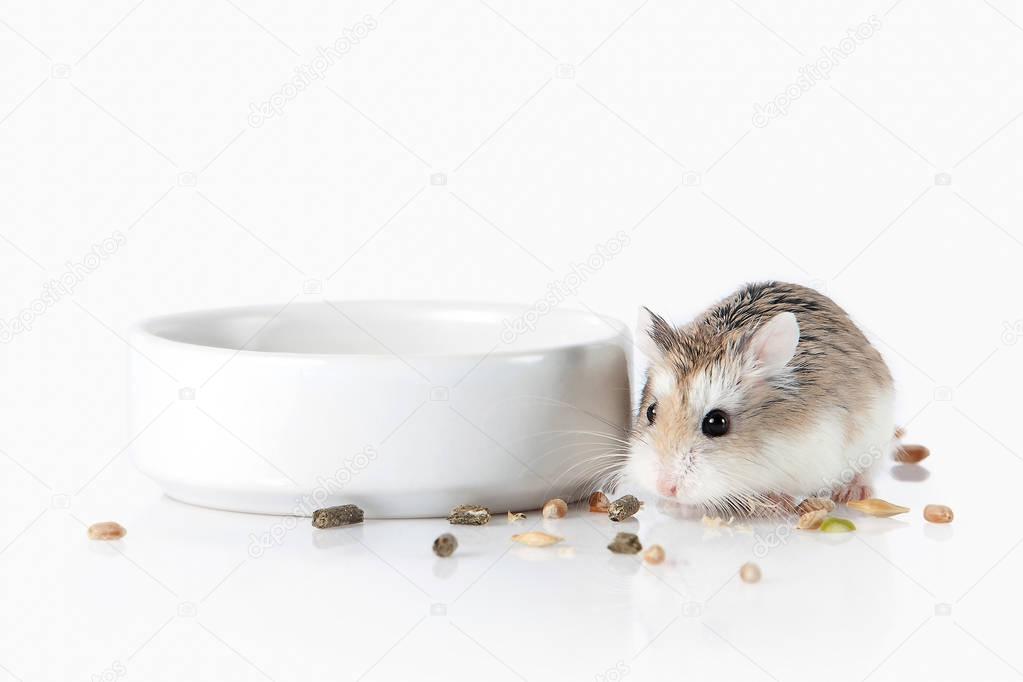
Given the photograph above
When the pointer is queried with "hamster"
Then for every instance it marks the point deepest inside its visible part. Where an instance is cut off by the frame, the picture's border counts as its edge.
(770, 396)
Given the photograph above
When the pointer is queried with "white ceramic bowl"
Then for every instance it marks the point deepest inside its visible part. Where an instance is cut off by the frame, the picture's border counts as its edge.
(406, 409)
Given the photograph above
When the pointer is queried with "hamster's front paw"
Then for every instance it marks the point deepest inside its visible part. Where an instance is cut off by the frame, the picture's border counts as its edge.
(856, 490)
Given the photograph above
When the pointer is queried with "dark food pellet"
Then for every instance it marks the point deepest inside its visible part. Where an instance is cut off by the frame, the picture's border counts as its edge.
(469, 515)
(625, 543)
(332, 517)
(445, 545)
(623, 508)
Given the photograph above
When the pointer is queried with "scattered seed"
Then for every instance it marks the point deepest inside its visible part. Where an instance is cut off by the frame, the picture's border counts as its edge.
(469, 515)
(555, 509)
(332, 517)
(536, 538)
(876, 507)
(623, 508)
(516, 516)
(599, 502)
(625, 543)
(911, 454)
(654, 555)
(900, 432)
(445, 545)
(812, 520)
(750, 573)
(107, 530)
(813, 504)
(837, 525)
(938, 513)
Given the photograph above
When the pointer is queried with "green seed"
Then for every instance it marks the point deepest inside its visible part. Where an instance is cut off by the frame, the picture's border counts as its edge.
(836, 525)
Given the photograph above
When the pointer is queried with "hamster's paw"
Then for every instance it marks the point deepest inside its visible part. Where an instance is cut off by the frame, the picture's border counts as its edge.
(856, 490)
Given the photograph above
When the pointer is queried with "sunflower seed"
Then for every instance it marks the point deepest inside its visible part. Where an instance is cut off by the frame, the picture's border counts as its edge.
(812, 520)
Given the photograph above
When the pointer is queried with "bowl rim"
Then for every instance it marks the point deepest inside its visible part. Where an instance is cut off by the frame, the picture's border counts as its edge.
(618, 332)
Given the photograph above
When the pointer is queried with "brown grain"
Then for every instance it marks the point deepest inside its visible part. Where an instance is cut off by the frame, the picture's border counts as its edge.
(107, 530)
(938, 513)
(911, 454)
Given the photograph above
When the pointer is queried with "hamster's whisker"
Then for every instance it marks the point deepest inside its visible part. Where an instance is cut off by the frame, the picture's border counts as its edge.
(747, 502)
(596, 467)
(562, 403)
(584, 484)
(609, 483)
(569, 438)
(585, 448)
(599, 434)
(600, 463)
(619, 447)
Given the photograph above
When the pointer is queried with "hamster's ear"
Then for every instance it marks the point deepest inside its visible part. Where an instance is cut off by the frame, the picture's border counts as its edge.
(652, 333)
(774, 343)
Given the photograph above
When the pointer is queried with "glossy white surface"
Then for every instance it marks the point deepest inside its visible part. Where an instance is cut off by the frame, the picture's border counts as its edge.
(403, 408)
(197, 593)
(892, 186)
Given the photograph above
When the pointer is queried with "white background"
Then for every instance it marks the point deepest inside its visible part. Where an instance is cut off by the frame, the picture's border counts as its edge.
(552, 128)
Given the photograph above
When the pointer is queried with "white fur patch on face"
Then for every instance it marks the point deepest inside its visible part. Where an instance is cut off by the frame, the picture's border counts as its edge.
(642, 467)
(709, 391)
(662, 382)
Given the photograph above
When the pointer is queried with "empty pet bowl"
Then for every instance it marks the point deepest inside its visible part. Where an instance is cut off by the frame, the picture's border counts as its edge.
(403, 408)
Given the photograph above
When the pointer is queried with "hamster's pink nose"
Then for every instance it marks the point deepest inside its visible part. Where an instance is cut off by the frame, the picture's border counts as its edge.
(666, 484)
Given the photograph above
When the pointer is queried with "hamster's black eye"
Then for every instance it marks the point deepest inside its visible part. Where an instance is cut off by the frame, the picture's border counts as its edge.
(651, 413)
(715, 423)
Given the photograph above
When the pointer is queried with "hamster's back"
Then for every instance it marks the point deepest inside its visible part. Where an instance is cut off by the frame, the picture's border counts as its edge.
(833, 360)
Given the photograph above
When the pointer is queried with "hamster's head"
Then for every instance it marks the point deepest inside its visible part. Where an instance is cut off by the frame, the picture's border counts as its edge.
(712, 402)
